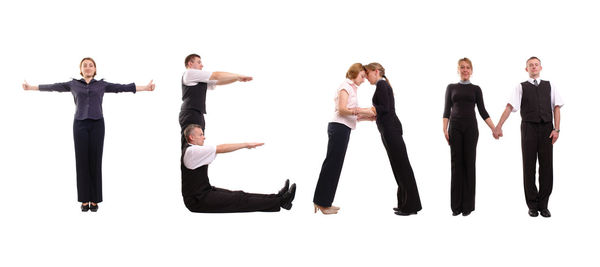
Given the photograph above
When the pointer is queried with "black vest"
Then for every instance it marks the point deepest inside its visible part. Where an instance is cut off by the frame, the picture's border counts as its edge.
(536, 104)
(194, 182)
(194, 97)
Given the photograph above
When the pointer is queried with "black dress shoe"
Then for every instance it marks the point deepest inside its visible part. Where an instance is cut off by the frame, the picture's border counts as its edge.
(402, 213)
(285, 188)
(85, 207)
(545, 213)
(533, 212)
(288, 197)
(93, 208)
(455, 213)
(467, 213)
(396, 209)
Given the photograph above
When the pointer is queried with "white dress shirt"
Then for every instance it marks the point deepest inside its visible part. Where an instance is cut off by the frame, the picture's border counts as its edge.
(517, 95)
(192, 77)
(197, 156)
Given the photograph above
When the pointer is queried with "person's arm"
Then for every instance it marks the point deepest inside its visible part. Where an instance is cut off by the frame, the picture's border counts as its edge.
(225, 148)
(483, 112)
(380, 98)
(503, 118)
(57, 87)
(223, 78)
(447, 110)
(554, 133)
(445, 127)
(342, 104)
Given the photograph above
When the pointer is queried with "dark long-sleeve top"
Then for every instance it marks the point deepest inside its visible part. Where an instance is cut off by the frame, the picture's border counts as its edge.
(88, 97)
(385, 105)
(461, 99)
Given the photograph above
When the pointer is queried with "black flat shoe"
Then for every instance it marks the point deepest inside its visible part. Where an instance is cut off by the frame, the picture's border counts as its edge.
(93, 208)
(545, 213)
(402, 213)
(85, 207)
(455, 213)
(285, 188)
(533, 212)
(466, 213)
(288, 197)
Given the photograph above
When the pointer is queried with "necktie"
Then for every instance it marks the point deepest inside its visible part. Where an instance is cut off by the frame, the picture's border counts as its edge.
(535, 82)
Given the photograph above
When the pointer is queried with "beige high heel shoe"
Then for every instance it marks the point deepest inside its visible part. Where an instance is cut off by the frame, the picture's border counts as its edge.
(328, 210)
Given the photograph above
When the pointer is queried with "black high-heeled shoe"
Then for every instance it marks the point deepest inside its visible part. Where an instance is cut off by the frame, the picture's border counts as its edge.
(94, 208)
(85, 207)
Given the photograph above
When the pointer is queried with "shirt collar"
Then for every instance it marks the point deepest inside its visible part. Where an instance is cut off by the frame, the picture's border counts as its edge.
(531, 80)
(464, 82)
(351, 83)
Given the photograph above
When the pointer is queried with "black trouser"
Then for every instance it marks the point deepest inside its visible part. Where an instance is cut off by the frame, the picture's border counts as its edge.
(408, 193)
(89, 143)
(463, 147)
(187, 117)
(537, 144)
(219, 200)
(339, 136)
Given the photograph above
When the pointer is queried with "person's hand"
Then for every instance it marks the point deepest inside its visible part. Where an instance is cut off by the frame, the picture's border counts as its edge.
(253, 145)
(243, 78)
(498, 132)
(374, 111)
(369, 112)
(26, 86)
(447, 136)
(554, 136)
(494, 134)
(150, 86)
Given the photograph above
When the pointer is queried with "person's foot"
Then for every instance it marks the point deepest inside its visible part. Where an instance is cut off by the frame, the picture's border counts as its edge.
(93, 207)
(455, 213)
(288, 197)
(466, 213)
(85, 207)
(533, 212)
(402, 213)
(326, 210)
(545, 213)
(285, 188)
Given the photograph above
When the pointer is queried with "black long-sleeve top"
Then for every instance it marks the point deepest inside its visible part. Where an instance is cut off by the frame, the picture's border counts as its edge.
(461, 99)
(88, 96)
(384, 103)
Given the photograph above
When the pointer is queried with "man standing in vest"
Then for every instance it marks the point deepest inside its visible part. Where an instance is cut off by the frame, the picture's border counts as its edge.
(538, 100)
(194, 84)
(200, 196)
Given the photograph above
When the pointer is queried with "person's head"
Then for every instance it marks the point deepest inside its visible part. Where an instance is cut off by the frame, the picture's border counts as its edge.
(465, 69)
(533, 66)
(375, 72)
(194, 135)
(356, 73)
(193, 61)
(87, 67)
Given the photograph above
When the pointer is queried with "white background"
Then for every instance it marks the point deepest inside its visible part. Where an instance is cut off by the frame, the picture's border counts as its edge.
(298, 54)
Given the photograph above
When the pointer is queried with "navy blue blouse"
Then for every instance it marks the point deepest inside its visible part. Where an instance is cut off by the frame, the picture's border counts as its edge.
(88, 97)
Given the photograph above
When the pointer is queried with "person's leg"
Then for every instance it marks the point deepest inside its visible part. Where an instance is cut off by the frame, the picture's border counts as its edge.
(220, 200)
(81, 140)
(470, 155)
(457, 167)
(96, 145)
(529, 150)
(408, 193)
(339, 136)
(545, 168)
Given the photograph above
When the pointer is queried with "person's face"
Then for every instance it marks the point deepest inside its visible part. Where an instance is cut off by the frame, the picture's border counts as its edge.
(534, 67)
(465, 71)
(197, 137)
(196, 63)
(360, 78)
(88, 69)
(373, 76)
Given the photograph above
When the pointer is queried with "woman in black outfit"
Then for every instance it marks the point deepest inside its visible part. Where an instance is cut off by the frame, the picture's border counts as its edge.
(462, 137)
(390, 128)
(88, 127)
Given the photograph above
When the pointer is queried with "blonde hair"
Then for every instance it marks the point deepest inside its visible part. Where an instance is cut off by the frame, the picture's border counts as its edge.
(354, 70)
(376, 66)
